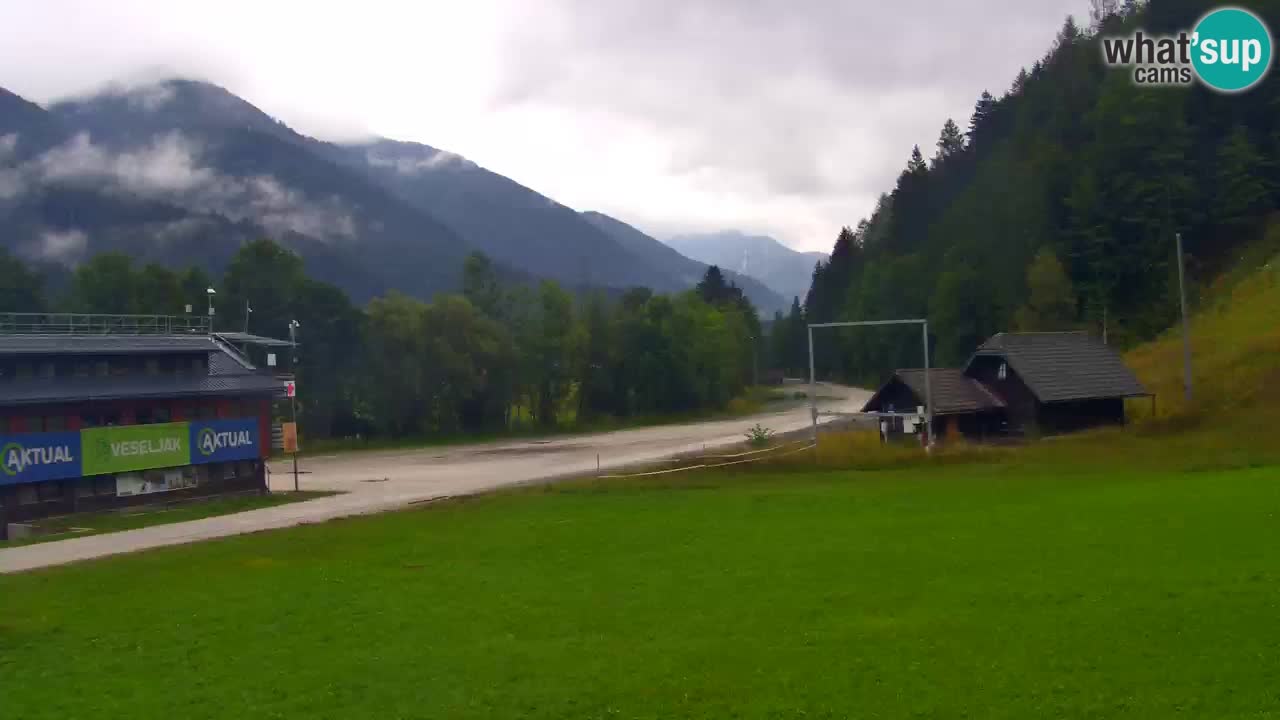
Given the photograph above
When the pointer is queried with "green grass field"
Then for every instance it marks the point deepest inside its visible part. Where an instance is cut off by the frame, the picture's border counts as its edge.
(968, 590)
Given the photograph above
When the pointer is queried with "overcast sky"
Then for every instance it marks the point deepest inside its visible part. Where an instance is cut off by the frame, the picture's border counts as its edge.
(784, 117)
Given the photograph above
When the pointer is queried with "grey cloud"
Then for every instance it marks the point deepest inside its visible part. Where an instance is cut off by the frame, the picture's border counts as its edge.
(66, 247)
(8, 143)
(414, 166)
(171, 168)
(817, 99)
(167, 165)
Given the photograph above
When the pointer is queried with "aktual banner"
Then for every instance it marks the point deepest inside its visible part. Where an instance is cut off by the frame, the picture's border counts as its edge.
(222, 440)
(135, 447)
(32, 457)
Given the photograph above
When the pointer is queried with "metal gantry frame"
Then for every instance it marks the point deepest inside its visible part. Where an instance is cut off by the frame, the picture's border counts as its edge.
(928, 384)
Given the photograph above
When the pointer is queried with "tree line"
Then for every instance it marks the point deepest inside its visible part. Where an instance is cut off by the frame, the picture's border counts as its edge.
(1055, 209)
(494, 357)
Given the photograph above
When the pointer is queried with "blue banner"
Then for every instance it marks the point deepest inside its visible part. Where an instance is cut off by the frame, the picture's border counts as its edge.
(31, 457)
(223, 440)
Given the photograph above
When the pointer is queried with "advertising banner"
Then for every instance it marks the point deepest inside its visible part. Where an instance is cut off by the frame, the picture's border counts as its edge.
(135, 447)
(223, 440)
(31, 457)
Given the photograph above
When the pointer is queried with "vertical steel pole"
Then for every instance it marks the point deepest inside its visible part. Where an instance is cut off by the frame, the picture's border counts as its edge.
(1186, 331)
(928, 389)
(813, 388)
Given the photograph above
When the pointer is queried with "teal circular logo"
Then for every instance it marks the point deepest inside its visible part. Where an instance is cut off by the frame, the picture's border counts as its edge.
(207, 442)
(1231, 49)
(11, 459)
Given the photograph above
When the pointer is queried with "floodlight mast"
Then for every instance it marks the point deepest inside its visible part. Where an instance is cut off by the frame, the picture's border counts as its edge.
(928, 384)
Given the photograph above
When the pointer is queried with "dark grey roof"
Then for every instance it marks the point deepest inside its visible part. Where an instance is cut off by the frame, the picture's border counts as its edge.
(1064, 366)
(83, 389)
(250, 339)
(953, 392)
(104, 344)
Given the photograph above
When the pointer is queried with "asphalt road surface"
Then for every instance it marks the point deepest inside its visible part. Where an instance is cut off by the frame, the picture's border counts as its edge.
(378, 481)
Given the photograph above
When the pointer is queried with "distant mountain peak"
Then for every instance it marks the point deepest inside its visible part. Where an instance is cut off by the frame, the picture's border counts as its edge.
(787, 272)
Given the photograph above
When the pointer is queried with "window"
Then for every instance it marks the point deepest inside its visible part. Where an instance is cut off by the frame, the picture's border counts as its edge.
(118, 367)
(49, 491)
(104, 485)
(1002, 372)
(83, 368)
(100, 419)
(55, 423)
(143, 416)
(168, 365)
(161, 415)
(101, 368)
(25, 371)
(151, 366)
(47, 369)
(27, 494)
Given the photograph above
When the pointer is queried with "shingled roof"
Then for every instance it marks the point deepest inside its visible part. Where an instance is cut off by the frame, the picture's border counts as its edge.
(1064, 366)
(953, 391)
(105, 344)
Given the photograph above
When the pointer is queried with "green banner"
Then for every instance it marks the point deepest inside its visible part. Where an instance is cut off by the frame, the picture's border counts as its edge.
(134, 447)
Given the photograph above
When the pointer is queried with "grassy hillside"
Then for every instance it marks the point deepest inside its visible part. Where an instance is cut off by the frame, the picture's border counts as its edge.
(1235, 345)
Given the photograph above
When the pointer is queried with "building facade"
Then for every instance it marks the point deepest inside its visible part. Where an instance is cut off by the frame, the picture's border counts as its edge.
(1017, 384)
(94, 420)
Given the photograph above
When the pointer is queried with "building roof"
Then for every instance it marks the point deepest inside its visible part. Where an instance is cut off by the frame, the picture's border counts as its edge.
(1064, 366)
(87, 389)
(12, 345)
(250, 339)
(953, 391)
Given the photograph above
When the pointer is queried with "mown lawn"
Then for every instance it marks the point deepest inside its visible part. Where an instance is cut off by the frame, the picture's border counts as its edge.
(993, 591)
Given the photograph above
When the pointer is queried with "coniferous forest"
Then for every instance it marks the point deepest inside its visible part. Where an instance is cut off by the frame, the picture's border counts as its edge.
(1053, 206)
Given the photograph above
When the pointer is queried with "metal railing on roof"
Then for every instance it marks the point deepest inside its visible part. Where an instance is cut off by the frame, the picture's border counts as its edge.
(90, 324)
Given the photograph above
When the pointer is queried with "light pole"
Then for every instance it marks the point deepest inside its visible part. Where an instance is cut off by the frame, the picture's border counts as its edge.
(755, 361)
(293, 399)
(209, 294)
(1186, 330)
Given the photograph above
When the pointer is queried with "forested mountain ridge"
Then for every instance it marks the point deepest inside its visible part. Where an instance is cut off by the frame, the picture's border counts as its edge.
(1057, 206)
(508, 221)
(182, 171)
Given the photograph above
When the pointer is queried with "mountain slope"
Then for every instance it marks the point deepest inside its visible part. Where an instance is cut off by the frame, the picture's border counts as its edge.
(782, 269)
(509, 221)
(687, 271)
(224, 164)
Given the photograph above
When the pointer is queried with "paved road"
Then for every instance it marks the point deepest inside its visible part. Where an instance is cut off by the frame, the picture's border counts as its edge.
(378, 481)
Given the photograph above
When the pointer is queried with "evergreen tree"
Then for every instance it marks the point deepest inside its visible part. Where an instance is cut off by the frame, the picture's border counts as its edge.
(713, 288)
(950, 143)
(981, 116)
(480, 285)
(915, 165)
(1051, 305)
(1241, 188)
